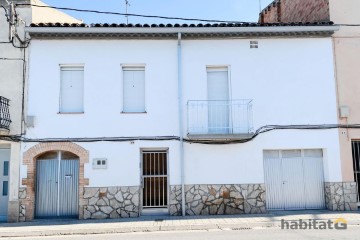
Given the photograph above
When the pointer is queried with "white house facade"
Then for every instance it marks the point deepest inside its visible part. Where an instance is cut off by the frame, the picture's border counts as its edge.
(13, 69)
(196, 120)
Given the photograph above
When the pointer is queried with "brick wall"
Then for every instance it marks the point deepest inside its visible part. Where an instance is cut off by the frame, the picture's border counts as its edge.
(296, 11)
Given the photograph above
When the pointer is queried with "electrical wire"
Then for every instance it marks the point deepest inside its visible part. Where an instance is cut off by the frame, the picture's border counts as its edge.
(261, 130)
(6, 13)
(23, 92)
(102, 139)
(25, 43)
(10, 59)
(148, 16)
(129, 14)
(349, 25)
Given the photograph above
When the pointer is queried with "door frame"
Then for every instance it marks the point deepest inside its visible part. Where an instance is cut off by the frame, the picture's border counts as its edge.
(141, 192)
(230, 114)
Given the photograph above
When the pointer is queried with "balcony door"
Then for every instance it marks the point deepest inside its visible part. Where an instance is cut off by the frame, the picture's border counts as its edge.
(218, 100)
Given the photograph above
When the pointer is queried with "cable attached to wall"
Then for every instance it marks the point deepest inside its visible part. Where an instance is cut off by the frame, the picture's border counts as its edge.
(264, 129)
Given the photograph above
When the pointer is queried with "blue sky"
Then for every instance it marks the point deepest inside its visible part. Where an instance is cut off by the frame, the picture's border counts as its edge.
(232, 10)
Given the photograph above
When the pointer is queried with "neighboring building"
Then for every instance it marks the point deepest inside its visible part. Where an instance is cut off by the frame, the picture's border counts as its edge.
(13, 69)
(126, 116)
(346, 44)
(288, 11)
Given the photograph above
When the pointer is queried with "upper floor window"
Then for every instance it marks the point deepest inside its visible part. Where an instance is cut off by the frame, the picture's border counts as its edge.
(134, 89)
(72, 89)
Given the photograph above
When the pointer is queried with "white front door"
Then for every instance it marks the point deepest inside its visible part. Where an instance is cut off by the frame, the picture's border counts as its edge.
(218, 97)
(294, 179)
(4, 182)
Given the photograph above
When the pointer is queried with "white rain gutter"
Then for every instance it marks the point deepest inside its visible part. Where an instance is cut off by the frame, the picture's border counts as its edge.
(181, 127)
(273, 29)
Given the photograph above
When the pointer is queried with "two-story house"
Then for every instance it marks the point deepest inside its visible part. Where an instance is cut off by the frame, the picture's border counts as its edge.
(13, 71)
(180, 119)
(346, 49)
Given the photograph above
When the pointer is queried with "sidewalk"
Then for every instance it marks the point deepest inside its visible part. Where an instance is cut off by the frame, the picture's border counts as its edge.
(166, 223)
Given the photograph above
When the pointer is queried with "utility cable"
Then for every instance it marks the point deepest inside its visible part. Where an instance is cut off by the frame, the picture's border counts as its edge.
(6, 13)
(261, 130)
(150, 16)
(12, 59)
(128, 14)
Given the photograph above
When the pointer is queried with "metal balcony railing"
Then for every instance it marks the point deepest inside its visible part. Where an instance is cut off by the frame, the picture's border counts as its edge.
(4, 113)
(219, 117)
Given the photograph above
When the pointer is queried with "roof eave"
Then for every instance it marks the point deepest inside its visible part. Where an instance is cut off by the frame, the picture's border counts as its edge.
(188, 33)
(272, 29)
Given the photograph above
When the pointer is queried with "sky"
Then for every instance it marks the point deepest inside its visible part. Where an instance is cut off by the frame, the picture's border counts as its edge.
(229, 10)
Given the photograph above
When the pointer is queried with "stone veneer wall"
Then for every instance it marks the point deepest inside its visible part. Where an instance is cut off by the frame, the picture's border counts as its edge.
(219, 199)
(341, 196)
(22, 209)
(111, 202)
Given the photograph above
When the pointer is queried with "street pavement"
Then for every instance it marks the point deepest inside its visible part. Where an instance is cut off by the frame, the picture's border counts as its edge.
(352, 233)
(235, 224)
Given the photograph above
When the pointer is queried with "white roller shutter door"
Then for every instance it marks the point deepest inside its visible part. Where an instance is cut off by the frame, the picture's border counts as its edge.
(294, 179)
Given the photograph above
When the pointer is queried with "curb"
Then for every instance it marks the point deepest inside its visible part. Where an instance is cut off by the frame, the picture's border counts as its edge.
(112, 230)
(12, 232)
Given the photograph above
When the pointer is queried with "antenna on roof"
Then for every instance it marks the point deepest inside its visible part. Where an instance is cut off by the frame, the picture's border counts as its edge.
(260, 6)
(127, 4)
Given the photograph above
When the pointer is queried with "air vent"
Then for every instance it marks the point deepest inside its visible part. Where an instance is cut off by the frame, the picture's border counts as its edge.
(254, 44)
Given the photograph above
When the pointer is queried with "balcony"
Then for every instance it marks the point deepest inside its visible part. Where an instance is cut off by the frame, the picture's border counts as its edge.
(4, 116)
(209, 119)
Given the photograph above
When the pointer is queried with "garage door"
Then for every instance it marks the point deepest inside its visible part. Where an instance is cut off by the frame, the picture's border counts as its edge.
(294, 179)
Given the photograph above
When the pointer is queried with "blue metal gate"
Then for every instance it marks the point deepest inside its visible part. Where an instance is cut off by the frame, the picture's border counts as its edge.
(57, 187)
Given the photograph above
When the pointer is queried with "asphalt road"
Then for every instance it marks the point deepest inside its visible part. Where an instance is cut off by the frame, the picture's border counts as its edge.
(352, 233)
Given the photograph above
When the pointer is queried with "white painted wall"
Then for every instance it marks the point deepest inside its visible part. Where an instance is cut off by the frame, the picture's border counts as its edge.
(243, 163)
(103, 88)
(290, 80)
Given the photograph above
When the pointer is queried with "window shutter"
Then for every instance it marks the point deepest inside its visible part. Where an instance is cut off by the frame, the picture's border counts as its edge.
(72, 89)
(134, 89)
(218, 88)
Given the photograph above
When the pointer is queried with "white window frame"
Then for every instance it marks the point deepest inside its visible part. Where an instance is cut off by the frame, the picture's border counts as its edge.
(140, 67)
(75, 66)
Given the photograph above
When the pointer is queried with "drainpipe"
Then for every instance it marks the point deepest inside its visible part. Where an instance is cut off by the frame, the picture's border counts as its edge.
(181, 126)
